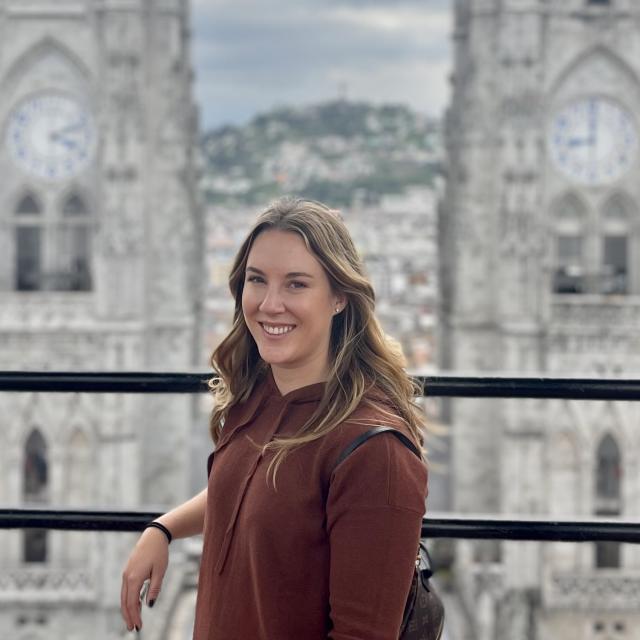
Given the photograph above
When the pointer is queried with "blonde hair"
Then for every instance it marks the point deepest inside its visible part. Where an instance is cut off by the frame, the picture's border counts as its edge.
(361, 357)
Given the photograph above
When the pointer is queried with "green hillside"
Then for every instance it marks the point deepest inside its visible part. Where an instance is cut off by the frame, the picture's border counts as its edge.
(331, 151)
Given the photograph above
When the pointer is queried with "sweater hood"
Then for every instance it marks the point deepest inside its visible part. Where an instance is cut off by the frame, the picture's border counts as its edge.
(266, 390)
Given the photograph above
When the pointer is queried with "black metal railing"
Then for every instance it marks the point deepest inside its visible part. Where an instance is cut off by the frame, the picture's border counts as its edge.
(433, 386)
(432, 526)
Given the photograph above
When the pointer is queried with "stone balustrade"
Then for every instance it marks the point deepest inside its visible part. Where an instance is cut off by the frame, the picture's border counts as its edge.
(601, 590)
(44, 584)
(26, 310)
(597, 311)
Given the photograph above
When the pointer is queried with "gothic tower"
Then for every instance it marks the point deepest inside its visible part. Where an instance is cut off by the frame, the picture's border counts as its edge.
(540, 232)
(99, 270)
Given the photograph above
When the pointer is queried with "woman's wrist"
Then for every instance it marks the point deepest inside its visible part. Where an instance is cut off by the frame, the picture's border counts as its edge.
(161, 527)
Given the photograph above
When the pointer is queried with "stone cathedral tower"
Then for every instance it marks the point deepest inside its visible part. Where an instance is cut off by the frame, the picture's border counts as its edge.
(99, 270)
(541, 275)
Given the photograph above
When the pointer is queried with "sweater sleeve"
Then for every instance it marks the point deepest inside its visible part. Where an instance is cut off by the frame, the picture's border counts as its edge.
(375, 506)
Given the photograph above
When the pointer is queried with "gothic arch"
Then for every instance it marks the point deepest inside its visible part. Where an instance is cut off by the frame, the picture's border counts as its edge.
(576, 423)
(586, 57)
(608, 468)
(606, 420)
(35, 489)
(569, 201)
(38, 51)
(78, 474)
(607, 495)
(24, 191)
(623, 197)
(564, 450)
(29, 203)
(564, 444)
(74, 194)
(35, 477)
(622, 201)
(37, 408)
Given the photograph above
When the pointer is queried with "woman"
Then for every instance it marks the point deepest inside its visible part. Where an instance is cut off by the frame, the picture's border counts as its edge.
(295, 546)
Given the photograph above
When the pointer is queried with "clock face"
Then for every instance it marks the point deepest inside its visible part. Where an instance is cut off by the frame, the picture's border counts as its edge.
(593, 141)
(51, 136)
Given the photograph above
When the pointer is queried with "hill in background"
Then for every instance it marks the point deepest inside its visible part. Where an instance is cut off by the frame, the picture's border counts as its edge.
(336, 152)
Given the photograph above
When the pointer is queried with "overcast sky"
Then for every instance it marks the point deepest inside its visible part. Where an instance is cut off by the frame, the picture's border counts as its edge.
(252, 55)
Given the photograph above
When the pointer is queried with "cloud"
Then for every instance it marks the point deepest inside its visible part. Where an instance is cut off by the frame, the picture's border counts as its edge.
(249, 58)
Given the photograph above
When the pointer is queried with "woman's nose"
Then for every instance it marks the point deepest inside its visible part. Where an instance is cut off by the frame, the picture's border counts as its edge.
(272, 302)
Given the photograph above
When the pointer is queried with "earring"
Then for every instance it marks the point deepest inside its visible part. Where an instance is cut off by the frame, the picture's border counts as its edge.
(337, 310)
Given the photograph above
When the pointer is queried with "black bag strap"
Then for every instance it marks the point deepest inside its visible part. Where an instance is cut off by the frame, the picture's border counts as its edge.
(363, 437)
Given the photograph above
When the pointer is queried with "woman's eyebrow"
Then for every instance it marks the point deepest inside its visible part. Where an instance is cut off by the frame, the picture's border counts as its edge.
(291, 274)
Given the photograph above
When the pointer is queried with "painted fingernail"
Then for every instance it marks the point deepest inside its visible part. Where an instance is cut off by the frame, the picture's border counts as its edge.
(151, 603)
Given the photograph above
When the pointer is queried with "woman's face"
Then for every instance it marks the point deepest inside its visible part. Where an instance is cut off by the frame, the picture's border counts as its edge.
(288, 304)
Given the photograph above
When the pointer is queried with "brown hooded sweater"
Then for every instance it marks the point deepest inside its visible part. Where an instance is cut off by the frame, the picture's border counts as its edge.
(331, 553)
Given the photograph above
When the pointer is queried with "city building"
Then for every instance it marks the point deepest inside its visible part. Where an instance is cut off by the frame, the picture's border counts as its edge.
(397, 239)
(540, 253)
(99, 270)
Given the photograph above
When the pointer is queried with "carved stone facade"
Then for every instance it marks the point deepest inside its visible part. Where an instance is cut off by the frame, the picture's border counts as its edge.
(100, 270)
(540, 252)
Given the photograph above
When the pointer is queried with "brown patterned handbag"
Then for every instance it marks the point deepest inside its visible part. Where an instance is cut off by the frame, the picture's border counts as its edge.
(423, 617)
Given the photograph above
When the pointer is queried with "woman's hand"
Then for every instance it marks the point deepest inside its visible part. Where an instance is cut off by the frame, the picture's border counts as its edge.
(148, 561)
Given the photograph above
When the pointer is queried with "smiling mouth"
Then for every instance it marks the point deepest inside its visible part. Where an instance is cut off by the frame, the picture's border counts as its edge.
(277, 329)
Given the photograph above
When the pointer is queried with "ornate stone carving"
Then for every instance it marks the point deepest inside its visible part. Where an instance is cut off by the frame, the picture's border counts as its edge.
(57, 310)
(46, 585)
(595, 590)
(623, 314)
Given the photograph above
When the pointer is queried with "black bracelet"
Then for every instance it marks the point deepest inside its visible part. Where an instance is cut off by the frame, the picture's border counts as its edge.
(159, 525)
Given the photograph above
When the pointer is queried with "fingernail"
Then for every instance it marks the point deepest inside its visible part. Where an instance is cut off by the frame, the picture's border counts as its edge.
(151, 602)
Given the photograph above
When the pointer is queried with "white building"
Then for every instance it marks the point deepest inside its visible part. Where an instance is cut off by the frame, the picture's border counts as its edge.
(540, 249)
(99, 270)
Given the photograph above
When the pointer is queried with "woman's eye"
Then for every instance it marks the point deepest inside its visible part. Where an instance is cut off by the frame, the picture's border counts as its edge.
(254, 279)
(295, 284)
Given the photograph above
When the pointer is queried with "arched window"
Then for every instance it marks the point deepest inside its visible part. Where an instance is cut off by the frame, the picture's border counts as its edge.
(35, 490)
(28, 206)
(608, 471)
(28, 238)
(73, 251)
(608, 497)
(615, 221)
(53, 247)
(36, 470)
(74, 206)
(568, 221)
(593, 248)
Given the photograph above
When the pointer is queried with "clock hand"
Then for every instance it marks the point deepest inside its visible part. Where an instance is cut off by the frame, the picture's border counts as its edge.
(593, 123)
(67, 142)
(579, 142)
(69, 129)
(593, 132)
